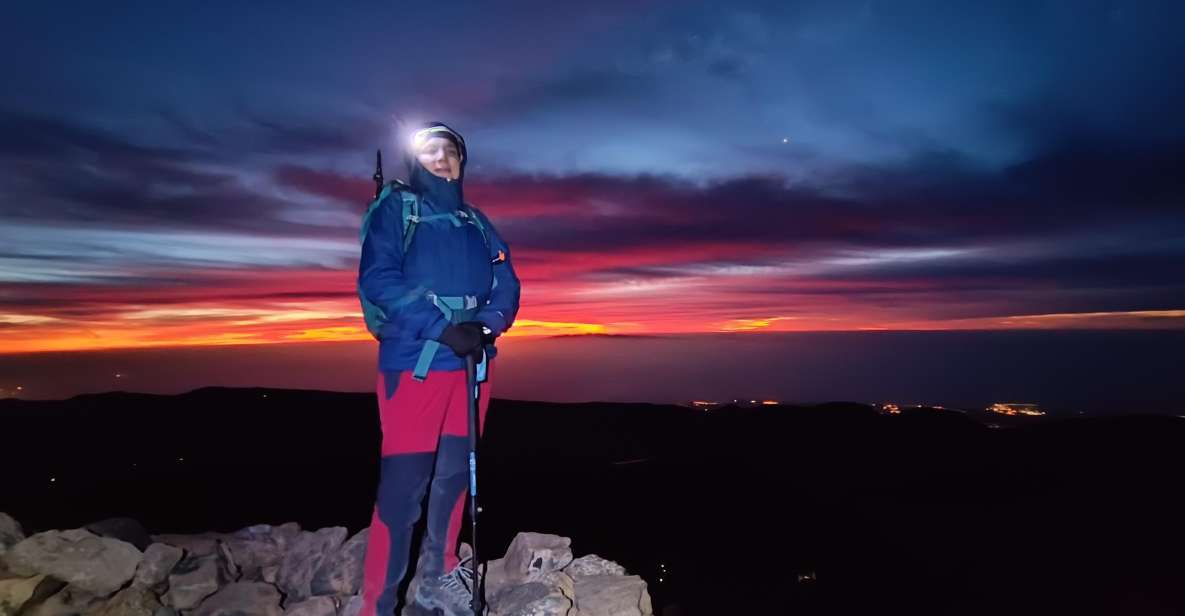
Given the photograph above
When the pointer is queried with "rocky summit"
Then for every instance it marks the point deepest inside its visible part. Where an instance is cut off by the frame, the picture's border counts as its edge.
(266, 570)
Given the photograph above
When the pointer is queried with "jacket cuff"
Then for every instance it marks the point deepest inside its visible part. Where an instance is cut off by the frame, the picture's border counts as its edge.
(494, 320)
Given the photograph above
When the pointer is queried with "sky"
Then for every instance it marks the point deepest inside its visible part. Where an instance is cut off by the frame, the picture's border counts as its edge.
(181, 175)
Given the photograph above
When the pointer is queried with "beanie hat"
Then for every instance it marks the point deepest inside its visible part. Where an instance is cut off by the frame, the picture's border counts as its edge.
(436, 129)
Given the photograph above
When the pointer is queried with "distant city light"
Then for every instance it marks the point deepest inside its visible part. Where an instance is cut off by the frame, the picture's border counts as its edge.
(1016, 408)
(708, 405)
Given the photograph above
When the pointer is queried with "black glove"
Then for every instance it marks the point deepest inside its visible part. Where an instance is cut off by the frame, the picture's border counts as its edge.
(463, 338)
(481, 327)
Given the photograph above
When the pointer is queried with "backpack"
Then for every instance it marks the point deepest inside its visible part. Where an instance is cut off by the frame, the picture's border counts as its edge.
(410, 216)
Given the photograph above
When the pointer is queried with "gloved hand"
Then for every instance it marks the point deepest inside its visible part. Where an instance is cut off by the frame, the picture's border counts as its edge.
(481, 327)
(463, 338)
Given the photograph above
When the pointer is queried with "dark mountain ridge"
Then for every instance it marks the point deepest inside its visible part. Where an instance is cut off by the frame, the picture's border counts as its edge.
(832, 508)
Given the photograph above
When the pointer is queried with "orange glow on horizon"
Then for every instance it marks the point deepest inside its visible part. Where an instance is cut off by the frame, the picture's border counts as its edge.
(256, 307)
(218, 326)
(532, 327)
(229, 325)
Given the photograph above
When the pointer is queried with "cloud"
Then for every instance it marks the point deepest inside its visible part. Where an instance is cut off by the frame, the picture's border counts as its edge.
(667, 169)
(70, 175)
(354, 190)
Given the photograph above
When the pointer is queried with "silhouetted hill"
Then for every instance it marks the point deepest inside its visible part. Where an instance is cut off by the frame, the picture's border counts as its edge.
(930, 512)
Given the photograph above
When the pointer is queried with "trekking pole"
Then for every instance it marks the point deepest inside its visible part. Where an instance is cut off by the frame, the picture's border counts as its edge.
(472, 395)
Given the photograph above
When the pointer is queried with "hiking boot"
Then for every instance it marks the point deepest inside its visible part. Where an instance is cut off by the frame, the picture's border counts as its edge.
(450, 593)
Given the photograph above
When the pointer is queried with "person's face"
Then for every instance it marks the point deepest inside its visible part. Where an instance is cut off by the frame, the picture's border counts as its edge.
(440, 157)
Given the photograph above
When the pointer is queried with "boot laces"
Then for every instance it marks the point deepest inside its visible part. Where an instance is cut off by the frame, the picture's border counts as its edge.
(460, 579)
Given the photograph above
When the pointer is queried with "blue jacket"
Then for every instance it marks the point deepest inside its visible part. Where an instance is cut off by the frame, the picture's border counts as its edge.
(443, 259)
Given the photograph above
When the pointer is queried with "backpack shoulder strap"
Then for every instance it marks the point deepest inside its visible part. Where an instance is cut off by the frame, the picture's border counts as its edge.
(409, 210)
(409, 214)
(471, 213)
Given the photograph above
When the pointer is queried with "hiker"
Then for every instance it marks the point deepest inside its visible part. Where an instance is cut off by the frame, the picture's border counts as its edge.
(436, 285)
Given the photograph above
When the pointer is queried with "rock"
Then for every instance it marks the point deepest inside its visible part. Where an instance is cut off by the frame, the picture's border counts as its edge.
(317, 606)
(532, 555)
(230, 571)
(69, 601)
(612, 595)
(549, 594)
(258, 532)
(341, 573)
(97, 564)
(131, 601)
(242, 599)
(270, 574)
(165, 610)
(282, 535)
(124, 529)
(495, 575)
(351, 607)
(593, 565)
(10, 532)
(16, 591)
(253, 555)
(159, 560)
(192, 580)
(286, 533)
(262, 545)
(305, 555)
(204, 544)
(45, 589)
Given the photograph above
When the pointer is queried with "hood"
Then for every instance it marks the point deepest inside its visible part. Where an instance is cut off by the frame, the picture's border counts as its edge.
(444, 195)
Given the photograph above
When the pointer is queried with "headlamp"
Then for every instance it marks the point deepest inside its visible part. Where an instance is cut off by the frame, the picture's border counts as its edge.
(420, 137)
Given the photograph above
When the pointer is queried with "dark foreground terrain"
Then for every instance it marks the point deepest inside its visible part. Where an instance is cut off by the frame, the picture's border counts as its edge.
(833, 509)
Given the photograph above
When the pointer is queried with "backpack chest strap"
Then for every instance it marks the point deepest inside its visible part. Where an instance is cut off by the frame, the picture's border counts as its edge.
(451, 217)
(412, 218)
